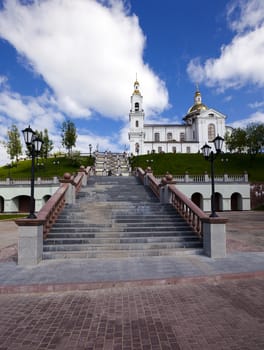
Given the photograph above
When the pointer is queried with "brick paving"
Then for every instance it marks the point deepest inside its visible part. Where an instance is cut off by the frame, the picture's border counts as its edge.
(224, 315)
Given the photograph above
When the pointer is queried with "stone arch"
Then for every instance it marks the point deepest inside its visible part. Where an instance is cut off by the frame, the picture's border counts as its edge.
(197, 198)
(46, 198)
(236, 201)
(218, 201)
(22, 203)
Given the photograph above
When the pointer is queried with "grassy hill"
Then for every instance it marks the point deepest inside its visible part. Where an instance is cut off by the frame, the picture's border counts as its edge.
(176, 164)
(45, 167)
(195, 164)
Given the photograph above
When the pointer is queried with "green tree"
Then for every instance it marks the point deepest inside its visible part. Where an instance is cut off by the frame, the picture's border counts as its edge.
(47, 145)
(237, 141)
(14, 146)
(69, 136)
(255, 138)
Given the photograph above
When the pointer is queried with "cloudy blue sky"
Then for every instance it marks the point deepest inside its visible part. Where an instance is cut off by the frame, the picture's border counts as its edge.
(78, 60)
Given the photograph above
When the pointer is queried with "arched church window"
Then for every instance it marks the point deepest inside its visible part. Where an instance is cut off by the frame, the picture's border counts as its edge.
(136, 123)
(211, 132)
(136, 106)
(156, 136)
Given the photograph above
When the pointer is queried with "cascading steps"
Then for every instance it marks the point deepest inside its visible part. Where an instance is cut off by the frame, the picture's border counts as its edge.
(118, 217)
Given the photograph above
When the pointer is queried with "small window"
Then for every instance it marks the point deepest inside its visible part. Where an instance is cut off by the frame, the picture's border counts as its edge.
(136, 106)
(188, 149)
(193, 134)
(169, 136)
(182, 137)
(156, 136)
(159, 149)
(136, 123)
(174, 149)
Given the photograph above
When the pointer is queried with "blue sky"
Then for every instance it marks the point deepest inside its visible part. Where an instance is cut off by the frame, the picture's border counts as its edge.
(78, 60)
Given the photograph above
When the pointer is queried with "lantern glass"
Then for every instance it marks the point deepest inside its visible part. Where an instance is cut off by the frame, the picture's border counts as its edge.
(28, 134)
(218, 143)
(37, 142)
(206, 150)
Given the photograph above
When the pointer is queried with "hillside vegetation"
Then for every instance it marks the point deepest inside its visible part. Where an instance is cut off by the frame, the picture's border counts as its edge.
(176, 164)
(195, 164)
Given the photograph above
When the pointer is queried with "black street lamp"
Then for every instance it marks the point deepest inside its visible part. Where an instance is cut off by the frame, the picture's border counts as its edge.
(34, 144)
(90, 148)
(211, 156)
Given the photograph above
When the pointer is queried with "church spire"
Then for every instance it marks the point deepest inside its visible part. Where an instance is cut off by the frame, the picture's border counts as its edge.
(136, 87)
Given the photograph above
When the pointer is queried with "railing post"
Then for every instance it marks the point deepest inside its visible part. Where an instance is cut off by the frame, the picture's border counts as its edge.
(30, 241)
(70, 196)
(245, 176)
(186, 176)
(85, 175)
(206, 177)
(147, 171)
(165, 193)
(214, 236)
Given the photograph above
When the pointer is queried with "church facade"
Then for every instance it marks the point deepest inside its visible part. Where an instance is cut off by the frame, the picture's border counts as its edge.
(200, 125)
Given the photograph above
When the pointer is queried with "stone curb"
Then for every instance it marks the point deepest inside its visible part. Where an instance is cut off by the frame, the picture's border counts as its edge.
(88, 286)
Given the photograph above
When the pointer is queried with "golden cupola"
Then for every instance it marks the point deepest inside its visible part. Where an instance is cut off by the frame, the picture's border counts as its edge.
(198, 105)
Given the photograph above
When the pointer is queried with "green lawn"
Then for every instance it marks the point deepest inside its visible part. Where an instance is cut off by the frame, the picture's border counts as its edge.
(176, 164)
(45, 167)
(195, 164)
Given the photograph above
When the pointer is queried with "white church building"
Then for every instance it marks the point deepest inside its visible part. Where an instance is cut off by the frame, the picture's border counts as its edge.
(200, 125)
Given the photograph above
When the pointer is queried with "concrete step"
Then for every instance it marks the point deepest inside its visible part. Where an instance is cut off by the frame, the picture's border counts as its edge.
(118, 217)
(124, 246)
(121, 253)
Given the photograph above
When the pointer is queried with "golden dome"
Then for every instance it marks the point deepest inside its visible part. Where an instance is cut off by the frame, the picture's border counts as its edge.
(198, 105)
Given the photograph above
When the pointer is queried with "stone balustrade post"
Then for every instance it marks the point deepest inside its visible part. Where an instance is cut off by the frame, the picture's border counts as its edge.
(206, 177)
(186, 176)
(85, 175)
(30, 241)
(70, 196)
(147, 171)
(245, 176)
(165, 194)
(214, 237)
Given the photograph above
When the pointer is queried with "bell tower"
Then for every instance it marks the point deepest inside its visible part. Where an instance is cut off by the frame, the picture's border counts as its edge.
(136, 122)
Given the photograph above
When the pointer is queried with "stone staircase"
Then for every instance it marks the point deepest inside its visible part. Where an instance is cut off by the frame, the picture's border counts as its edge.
(115, 163)
(118, 217)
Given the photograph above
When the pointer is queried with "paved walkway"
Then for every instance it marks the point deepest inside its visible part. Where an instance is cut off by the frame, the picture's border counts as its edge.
(190, 302)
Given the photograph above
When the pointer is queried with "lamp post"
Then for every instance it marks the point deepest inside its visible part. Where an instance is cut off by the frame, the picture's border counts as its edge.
(34, 144)
(90, 148)
(211, 156)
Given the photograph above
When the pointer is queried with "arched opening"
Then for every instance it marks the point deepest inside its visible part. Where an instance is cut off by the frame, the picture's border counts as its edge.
(46, 198)
(23, 204)
(218, 202)
(197, 199)
(2, 204)
(136, 106)
(236, 201)
(136, 123)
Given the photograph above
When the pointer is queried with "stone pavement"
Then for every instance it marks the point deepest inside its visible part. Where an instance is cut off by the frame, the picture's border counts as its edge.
(189, 302)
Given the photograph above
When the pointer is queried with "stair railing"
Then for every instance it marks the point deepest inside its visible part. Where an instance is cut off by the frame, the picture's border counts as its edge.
(211, 230)
(32, 231)
(187, 209)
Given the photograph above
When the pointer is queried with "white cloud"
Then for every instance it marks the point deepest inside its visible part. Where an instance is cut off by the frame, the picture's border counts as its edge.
(256, 104)
(257, 117)
(241, 61)
(87, 51)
